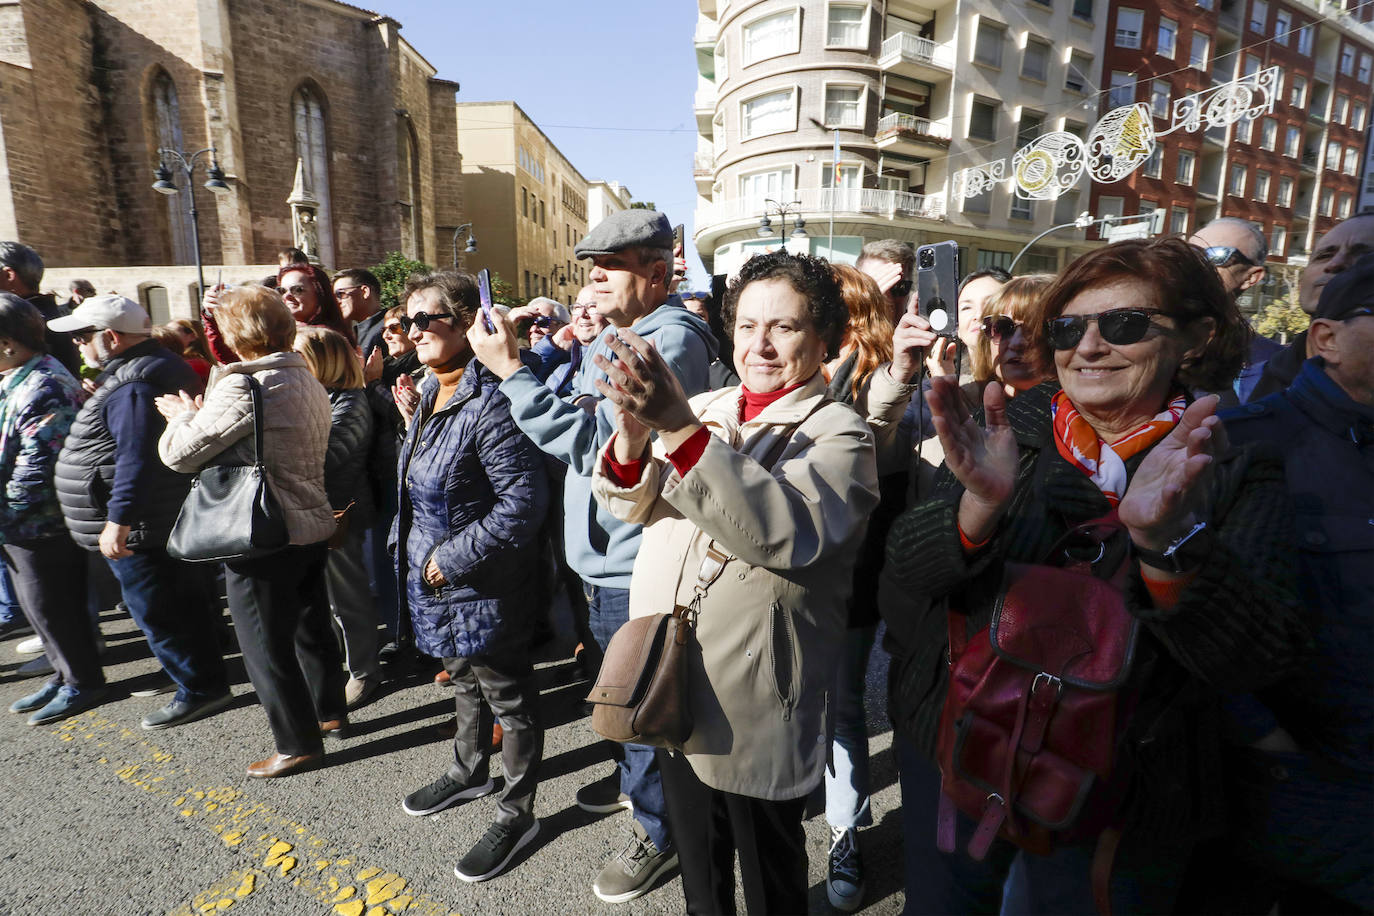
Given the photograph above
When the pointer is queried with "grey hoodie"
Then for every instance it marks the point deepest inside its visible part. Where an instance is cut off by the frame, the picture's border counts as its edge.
(601, 549)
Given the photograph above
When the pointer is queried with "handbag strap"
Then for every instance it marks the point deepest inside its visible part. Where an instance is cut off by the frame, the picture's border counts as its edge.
(255, 398)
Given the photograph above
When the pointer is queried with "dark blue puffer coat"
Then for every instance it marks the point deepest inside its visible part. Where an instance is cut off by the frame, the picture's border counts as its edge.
(473, 492)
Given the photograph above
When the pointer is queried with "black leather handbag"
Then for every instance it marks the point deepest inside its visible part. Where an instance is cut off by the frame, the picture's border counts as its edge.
(231, 513)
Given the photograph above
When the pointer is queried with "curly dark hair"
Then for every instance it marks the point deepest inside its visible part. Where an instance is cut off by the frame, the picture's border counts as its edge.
(1185, 286)
(811, 277)
(457, 291)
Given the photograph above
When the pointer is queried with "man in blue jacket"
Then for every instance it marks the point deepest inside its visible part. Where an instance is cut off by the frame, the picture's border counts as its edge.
(1302, 762)
(632, 267)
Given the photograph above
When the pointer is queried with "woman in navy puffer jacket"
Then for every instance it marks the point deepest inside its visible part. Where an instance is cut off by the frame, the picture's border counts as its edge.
(473, 492)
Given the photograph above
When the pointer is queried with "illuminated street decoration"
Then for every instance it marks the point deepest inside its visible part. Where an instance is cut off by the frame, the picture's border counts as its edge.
(1119, 143)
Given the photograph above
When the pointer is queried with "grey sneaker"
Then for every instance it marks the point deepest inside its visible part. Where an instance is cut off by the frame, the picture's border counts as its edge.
(68, 702)
(604, 795)
(632, 872)
(844, 878)
(494, 850)
(179, 712)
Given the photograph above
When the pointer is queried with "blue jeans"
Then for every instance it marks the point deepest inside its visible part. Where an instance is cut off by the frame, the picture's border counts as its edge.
(846, 785)
(608, 609)
(381, 568)
(171, 603)
(9, 601)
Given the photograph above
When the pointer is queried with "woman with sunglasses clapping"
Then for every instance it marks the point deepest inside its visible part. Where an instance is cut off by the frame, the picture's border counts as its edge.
(1128, 330)
(1000, 350)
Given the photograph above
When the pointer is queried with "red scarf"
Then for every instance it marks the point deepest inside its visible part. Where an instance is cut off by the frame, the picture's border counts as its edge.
(1103, 462)
(751, 405)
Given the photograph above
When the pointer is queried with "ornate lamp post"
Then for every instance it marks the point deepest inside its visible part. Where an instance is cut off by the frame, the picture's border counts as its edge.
(472, 242)
(165, 185)
(783, 210)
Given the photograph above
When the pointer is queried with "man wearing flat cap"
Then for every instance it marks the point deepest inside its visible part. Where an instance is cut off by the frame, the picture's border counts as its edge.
(1303, 750)
(632, 268)
(120, 499)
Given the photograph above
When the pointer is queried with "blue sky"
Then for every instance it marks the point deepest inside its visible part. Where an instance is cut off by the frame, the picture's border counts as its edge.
(610, 82)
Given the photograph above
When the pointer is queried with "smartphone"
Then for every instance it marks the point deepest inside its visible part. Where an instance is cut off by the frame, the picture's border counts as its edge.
(484, 296)
(937, 286)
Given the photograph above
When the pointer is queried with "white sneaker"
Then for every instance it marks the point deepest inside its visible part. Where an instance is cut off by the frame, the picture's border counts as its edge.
(31, 646)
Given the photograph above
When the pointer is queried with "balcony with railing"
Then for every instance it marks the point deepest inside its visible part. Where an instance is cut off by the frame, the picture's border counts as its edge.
(906, 133)
(703, 170)
(817, 203)
(910, 55)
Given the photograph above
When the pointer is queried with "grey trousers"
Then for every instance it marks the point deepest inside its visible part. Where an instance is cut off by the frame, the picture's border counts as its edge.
(350, 602)
(507, 687)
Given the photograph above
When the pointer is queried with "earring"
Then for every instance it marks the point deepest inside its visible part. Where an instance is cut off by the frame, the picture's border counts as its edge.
(9, 351)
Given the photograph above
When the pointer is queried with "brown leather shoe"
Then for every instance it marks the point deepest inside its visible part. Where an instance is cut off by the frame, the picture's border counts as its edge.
(284, 765)
(334, 728)
(442, 679)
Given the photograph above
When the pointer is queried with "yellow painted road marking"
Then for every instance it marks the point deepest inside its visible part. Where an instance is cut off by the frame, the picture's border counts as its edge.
(275, 848)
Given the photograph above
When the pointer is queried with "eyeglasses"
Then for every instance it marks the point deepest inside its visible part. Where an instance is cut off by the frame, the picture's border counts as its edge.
(298, 290)
(1117, 326)
(1225, 256)
(344, 291)
(1000, 326)
(544, 321)
(582, 307)
(393, 327)
(85, 337)
(422, 320)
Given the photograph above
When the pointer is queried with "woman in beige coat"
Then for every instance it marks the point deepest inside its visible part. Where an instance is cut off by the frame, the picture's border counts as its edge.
(777, 481)
(278, 601)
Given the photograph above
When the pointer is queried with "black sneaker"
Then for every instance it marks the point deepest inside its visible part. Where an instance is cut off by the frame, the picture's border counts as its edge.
(15, 626)
(442, 793)
(494, 850)
(844, 879)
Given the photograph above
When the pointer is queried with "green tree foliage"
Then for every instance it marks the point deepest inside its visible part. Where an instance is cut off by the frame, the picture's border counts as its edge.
(393, 272)
(504, 293)
(643, 205)
(1281, 319)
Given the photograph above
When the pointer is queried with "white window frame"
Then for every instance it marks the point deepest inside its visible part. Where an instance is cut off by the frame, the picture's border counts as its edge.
(1366, 64)
(1283, 24)
(1071, 65)
(1259, 16)
(1292, 141)
(997, 107)
(1153, 166)
(1269, 133)
(1344, 206)
(1278, 240)
(746, 134)
(1252, 65)
(1048, 51)
(847, 167)
(864, 27)
(1297, 91)
(720, 137)
(1326, 202)
(790, 178)
(1178, 220)
(1021, 209)
(1161, 31)
(1234, 187)
(1347, 59)
(1245, 131)
(1193, 57)
(1262, 181)
(1333, 156)
(1351, 166)
(862, 109)
(1137, 31)
(1128, 82)
(1305, 40)
(1340, 109)
(1285, 191)
(1357, 115)
(1182, 175)
(1161, 89)
(794, 12)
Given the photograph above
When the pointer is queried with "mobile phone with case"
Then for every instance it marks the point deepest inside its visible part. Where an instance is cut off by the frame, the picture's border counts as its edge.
(937, 286)
(484, 299)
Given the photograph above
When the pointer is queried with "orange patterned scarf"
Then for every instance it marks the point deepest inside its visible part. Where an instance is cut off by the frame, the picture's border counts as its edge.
(1105, 463)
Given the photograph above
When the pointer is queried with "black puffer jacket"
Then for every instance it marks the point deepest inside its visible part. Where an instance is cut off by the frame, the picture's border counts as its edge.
(346, 462)
(1237, 625)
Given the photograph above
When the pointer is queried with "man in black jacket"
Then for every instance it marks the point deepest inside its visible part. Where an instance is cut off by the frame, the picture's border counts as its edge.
(21, 271)
(119, 498)
(1336, 251)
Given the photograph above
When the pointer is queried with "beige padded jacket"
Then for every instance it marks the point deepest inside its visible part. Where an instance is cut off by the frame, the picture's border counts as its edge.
(771, 627)
(296, 411)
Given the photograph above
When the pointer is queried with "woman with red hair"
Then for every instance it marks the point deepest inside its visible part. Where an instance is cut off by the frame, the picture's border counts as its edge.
(307, 292)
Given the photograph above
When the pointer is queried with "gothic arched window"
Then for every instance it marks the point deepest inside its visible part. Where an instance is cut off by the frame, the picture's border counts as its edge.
(312, 148)
(167, 118)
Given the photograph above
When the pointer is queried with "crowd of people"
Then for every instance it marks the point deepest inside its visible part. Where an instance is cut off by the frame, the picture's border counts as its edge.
(1121, 547)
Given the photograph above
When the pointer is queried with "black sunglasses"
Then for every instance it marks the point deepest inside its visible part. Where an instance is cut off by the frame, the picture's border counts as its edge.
(421, 320)
(999, 327)
(298, 290)
(901, 289)
(394, 327)
(1225, 256)
(1117, 326)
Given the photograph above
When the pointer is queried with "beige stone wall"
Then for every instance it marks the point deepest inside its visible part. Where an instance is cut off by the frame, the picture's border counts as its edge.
(134, 283)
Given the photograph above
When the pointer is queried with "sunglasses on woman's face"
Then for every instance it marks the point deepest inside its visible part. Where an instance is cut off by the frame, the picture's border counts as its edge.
(1117, 326)
(422, 320)
(298, 290)
(1000, 327)
(393, 327)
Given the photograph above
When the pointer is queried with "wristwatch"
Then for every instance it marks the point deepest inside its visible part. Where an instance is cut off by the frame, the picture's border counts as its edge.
(1183, 554)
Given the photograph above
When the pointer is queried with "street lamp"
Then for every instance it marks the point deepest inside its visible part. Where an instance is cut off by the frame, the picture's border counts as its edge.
(472, 243)
(783, 211)
(165, 185)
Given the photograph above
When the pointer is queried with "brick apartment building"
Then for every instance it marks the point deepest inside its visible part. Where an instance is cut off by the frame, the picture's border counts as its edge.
(1295, 171)
(91, 89)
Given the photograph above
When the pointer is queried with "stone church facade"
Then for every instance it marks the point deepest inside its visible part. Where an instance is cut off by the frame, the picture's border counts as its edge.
(91, 89)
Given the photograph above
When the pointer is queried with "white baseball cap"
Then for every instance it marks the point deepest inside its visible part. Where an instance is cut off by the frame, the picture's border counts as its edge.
(114, 313)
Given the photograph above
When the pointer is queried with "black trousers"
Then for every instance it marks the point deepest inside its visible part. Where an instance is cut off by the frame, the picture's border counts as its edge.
(506, 684)
(49, 577)
(281, 615)
(710, 826)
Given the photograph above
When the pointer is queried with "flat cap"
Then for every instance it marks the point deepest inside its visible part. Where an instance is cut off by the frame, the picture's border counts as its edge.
(1351, 289)
(626, 229)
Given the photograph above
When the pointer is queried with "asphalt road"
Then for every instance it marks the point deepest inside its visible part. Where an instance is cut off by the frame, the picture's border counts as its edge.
(99, 817)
